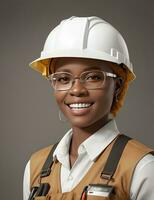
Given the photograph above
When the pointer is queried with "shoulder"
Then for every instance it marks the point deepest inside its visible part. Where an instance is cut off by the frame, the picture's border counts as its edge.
(37, 161)
(136, 156)
(42, 153)
(138, 145)
(38, 158)
(134, 149)
(133, 153)
(143, 176)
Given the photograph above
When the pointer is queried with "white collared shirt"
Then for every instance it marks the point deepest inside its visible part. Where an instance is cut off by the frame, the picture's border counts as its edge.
(142, 181)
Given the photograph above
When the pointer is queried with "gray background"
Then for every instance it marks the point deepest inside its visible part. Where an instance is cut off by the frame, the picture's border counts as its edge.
(29, 116)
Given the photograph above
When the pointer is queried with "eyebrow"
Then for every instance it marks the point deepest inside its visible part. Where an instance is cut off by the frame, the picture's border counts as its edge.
(86, 69)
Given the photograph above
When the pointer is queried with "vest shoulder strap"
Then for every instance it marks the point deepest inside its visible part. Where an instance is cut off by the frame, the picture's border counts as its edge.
(114, 157)
(46, 169)
(110, 166)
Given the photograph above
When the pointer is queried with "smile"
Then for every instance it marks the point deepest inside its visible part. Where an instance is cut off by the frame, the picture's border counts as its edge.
(77, 106)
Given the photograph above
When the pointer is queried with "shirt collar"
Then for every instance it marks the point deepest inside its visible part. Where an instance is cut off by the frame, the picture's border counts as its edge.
(94, 145)
(61, 152)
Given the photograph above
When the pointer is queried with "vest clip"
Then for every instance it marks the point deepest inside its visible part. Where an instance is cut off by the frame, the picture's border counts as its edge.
(45, 172)
(106, 176)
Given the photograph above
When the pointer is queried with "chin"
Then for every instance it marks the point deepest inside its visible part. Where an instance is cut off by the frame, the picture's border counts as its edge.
(82, 122)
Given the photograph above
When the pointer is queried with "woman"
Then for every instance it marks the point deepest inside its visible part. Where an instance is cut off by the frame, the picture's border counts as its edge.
(87, 62)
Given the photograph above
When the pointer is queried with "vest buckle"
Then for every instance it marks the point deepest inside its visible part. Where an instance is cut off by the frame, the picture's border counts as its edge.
(106, 176)
(45, 172)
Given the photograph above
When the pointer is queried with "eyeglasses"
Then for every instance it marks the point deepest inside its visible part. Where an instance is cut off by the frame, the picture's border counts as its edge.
(91, 80)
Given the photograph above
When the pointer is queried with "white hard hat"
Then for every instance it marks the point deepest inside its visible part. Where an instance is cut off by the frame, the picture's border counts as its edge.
(84, 37)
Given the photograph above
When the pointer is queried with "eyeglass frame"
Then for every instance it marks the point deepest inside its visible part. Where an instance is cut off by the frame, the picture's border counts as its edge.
(106, 74)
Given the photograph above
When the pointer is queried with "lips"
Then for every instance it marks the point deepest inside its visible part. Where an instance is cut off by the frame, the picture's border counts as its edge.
(79, 105)
(79, 108)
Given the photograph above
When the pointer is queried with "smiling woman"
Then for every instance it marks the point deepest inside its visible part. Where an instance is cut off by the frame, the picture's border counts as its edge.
(95, 96)
(87, 62)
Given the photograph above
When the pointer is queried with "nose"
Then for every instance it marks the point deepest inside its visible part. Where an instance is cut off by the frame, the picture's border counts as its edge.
(78, 89)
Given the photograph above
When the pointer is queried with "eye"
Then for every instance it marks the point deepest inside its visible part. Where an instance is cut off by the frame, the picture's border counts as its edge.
(63, 79)
(94, 76)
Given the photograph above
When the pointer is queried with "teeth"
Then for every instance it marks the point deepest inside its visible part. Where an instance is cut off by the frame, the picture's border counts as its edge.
(79, 105)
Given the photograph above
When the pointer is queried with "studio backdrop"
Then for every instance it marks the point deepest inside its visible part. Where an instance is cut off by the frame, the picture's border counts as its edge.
(29, 115)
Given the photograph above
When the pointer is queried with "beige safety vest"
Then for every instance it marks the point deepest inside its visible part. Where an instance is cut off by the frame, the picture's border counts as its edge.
(133, 152)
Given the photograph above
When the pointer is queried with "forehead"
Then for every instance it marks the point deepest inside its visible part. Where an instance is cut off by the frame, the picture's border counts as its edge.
(77, 65)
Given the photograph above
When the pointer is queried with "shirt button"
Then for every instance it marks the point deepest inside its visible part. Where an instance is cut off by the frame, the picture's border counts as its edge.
(70, 177)
(81, 149)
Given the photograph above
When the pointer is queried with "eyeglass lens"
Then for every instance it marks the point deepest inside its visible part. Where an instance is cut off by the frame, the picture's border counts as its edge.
(89, 79)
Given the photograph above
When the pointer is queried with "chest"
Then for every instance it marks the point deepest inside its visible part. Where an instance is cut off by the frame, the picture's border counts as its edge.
(120, 181)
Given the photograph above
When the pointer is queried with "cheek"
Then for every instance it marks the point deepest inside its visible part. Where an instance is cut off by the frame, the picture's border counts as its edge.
(60, 96)
(105, 98)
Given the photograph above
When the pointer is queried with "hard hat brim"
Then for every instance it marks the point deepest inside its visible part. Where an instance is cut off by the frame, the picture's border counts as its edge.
(42, 64)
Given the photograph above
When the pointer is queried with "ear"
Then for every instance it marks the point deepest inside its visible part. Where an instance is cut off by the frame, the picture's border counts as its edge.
(118, 86)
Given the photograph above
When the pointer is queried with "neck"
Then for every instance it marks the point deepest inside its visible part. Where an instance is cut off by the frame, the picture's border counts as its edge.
(80, 134)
